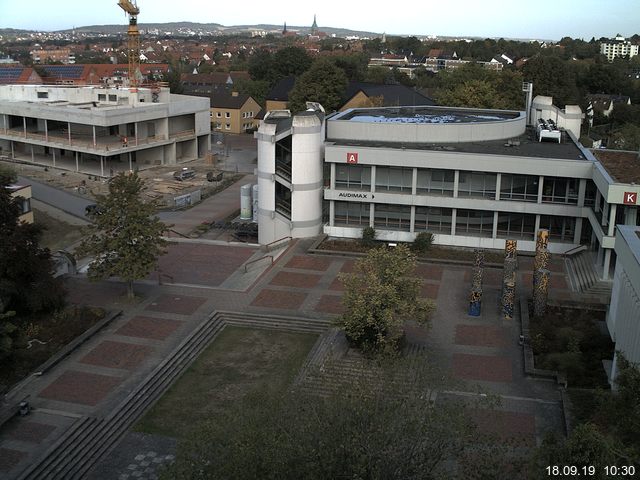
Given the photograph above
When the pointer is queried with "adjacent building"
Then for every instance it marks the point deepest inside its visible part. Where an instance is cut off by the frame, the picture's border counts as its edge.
(233, 112)
(618, 47)
(472, 177)
(23, 194)
(100, 130)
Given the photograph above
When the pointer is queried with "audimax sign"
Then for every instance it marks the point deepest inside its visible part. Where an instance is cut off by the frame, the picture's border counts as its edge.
(354, 195)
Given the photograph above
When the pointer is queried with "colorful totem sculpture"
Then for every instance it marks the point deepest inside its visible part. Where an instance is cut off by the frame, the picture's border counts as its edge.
(475, 298)
(541, 292)
(509, 278)
(508, 297)
(541, 260)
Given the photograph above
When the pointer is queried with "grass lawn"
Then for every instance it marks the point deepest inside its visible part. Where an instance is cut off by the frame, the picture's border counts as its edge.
(239, 361)
(57, 234)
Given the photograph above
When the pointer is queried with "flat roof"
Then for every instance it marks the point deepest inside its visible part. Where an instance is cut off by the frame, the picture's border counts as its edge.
(523, 146)
(425, 114)
(622, 166)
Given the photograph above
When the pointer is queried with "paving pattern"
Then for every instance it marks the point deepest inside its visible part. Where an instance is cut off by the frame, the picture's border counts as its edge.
(179, 304)
(80, 387)
(117, 355)
(149, 327)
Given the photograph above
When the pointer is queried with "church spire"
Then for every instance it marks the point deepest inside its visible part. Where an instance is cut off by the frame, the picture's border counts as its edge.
(314, 26)
(284, 30)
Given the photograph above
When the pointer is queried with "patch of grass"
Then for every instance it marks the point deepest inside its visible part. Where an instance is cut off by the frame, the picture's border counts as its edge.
(57, 234)
(55, 330)
(239, 361)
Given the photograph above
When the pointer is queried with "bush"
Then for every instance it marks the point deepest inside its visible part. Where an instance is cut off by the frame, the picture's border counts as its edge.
(423, 242)
(368, 236)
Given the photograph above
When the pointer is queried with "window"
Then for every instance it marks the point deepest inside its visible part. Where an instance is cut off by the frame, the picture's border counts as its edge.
(477, 184)
(519, 187)
(227, 126)
(395, 179)
(590, 194)
(392, 217)
(227, 115)
(439, 182)
(218, 115)
(353, 176)
(560, 228)
(113, 98)
(218, 125)
(43, 94)
(433, 219)
(560, 190)
(474, 222)
(25, 205)
(516, 225)
(102, 97)
(351, 213)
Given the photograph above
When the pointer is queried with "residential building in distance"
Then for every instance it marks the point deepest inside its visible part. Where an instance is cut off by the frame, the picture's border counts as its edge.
(233, 112)
(474, 178)
(278, 97)
(63, 55)
(17, 74)
(603, 103)
(211, 83)
(360, 94)
(23, 194)
(618, 47)
(101, 130)
(623, 317)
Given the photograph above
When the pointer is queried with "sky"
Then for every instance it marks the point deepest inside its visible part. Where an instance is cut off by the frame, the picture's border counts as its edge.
(527, 19)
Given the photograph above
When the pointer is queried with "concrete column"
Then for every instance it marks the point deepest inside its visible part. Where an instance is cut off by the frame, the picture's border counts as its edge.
(332, 211)
(596, 207)
(46, 131)
(373, 180)
(498, 182)
(13, 154)
(578, 233)
(372, 213)
(494, 233)
(130, 163)
(135, 132)
(613, 208)
(630, 215)
(454, 212)
(536, 227)
(77, 168)
(540, 187)
(582, 188)
(69, 131)
(456, 181)
(93, 127)
(412, 224)
(607, 262)
(33, 158)
(101, 166)
(332, 178)
(414, 186)
(53, 152)
(605, 214)
(24, 126)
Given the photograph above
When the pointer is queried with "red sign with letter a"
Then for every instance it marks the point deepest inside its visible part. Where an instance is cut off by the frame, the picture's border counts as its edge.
(630, 198)
(352, 157)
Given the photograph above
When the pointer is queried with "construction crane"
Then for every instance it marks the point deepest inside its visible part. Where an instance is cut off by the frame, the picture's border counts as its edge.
(133, 42)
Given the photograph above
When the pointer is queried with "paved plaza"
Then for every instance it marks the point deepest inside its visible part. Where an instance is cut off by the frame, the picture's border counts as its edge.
(479, 352)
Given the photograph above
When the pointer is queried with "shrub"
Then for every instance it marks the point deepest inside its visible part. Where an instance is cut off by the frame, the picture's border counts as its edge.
(423, 242)
(368, 236)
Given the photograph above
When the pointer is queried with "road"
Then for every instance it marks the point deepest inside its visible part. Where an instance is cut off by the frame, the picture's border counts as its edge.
(68, 202)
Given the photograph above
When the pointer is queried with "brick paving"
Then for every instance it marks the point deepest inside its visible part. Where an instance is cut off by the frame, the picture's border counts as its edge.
(30, 431)
(279, 299)
(80, 387)
(330, 304)
(429, 271)
(507, 425)
(348, 266)
(117, 355)
(481, 335)
(178, 304)
(149, 327)
(430, 290)
(491, 276)
(297, 280)
(482, 367)
(336, 285)
(9, 458)
(309, 263)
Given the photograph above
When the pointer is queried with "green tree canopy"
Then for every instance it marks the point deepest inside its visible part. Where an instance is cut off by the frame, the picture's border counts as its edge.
(553, 77)
(379, 297)
(324, 82)
(291, 61)
(126, 238)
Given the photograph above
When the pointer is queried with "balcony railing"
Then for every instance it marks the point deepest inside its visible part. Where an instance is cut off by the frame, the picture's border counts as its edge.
(183, 133)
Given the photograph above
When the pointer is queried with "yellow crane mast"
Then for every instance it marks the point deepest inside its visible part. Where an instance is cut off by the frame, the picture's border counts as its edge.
(133, 42)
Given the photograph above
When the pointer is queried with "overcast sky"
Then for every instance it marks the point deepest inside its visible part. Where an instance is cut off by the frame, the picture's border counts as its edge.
(546, 19)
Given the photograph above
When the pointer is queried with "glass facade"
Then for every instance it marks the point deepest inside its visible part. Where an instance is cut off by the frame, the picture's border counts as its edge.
(433, 219)
(477, 184)
(560, 190)
(439, 182)
(560, 228)
(354, 177)
(516, 225)
(474, 222)
(351, 213)
(392, 217)
(519, 187)
(394, 179)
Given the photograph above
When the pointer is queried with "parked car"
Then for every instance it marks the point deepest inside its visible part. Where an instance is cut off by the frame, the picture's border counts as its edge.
(184, 174)
(92, 209)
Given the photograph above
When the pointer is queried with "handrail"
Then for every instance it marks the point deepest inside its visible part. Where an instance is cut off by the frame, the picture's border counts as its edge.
(257, 260)
(579, 248)
(164, 275)
(268, 245)
(178, 233)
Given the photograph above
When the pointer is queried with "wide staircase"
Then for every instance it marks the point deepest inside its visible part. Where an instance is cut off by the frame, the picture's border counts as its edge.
(583, 276)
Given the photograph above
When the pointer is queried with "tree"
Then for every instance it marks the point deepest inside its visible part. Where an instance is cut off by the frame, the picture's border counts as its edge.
(291, 61)
(324, 82)
(378, 426)
(551, 76)
(258, 89)
(125, 238)
(379, 297)
(27, 285)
